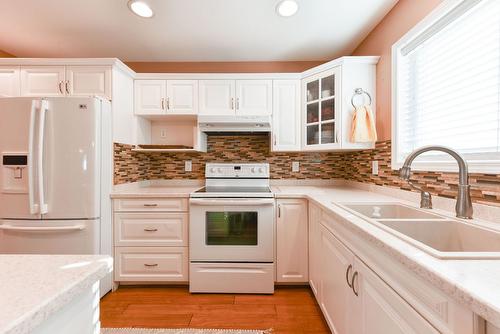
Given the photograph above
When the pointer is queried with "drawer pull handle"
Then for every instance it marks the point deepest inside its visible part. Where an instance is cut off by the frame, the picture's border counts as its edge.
(150, 229)
(347, 275)
(150, 205)
(151, 265)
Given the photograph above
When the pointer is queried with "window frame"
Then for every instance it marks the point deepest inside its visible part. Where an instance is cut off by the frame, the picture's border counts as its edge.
(476, 166)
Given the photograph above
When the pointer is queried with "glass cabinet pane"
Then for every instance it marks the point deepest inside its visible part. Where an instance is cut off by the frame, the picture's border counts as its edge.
(328, 109)
(312, 90)
(312, 134)
(313, 112)
(328, 86)
(231, 228)
(327, 133)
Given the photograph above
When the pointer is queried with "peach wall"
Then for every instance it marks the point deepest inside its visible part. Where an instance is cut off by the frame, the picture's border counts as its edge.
(4, 54)
(404, 16)
(222, 67)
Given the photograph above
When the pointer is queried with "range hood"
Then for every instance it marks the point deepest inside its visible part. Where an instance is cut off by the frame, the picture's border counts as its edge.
(234, 123)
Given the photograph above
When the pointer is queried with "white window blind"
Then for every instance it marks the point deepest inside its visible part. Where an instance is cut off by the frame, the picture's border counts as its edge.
(448, 86)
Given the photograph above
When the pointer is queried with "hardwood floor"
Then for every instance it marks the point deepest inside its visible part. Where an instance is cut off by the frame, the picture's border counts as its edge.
(290, 310)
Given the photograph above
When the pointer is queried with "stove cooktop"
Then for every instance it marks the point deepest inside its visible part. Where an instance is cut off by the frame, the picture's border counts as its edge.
(233, 192)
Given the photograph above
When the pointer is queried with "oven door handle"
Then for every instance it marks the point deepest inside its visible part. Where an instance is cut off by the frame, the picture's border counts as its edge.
(235, 202)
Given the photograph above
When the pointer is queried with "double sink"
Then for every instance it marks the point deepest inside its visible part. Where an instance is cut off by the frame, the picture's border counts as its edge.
(440, 236)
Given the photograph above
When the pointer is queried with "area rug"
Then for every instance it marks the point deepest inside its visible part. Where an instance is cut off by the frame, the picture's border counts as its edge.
(180, 331)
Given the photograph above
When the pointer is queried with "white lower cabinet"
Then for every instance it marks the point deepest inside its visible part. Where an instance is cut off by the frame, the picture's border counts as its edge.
(356, 301)
(141, 264)
(291, 243)
(151, 240)
(314, 248)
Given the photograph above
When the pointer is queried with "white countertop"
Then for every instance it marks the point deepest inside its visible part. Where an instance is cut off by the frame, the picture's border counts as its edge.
(33, 287)
(472, 283)
(155, 189)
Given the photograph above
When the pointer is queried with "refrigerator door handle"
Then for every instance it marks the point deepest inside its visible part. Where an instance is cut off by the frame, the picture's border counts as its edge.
(41, 138)
(42, 228)
(35, 104)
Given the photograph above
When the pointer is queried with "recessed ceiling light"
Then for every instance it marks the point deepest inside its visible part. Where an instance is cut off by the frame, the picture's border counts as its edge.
(140, 8)
(287, 8)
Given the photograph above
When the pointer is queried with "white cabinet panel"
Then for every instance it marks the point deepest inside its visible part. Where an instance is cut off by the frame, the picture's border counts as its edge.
(88, 81)
(314, 249)
(291, 243)
(217, 97)
(379, 309)
(42, 81)
(150, 97)
(10, 83)
(254, 97)
(182, 97)
(151, 264)
(151, 229)
(151, 204)
(336, 295)
(286, 115)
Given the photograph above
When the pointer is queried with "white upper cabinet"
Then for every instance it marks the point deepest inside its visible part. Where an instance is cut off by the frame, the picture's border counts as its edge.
(66, 81)
(286, 115)
(150, 97)
(217, 97)
(10, 81)
(291, 241)
(43, 80)
(322, 125)
(254, 97)
(161, 97)
(182, 97)
(88, 80)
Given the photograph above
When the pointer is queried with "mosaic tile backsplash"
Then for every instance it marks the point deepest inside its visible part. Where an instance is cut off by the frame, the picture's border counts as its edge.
(356, 166)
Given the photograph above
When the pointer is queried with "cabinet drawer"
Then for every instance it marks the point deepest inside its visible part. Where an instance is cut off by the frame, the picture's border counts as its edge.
(142, 264)
(151, 229)
(151, 204)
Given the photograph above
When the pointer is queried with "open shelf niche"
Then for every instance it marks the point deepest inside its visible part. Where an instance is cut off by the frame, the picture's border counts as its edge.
(165, 133)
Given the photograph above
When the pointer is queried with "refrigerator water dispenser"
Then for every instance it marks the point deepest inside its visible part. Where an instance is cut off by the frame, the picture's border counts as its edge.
(14, 172)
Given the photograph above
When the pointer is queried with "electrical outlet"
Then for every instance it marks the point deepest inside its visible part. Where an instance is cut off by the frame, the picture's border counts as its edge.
(375, 167)
(295, 166)
(163, 133)
(188, 166)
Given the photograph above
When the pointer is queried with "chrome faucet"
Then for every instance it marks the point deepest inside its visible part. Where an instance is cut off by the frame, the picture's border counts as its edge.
(463, 207)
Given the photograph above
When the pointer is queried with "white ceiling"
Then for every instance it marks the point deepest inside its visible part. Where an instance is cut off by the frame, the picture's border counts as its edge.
(187, 30)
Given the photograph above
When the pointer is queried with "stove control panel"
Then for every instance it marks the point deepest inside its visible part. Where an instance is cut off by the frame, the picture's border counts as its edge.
(243, 170)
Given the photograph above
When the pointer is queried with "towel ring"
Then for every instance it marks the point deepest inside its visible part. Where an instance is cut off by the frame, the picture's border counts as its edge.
(360, 91)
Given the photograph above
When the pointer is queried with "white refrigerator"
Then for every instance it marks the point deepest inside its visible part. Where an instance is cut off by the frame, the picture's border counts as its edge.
(56, 176)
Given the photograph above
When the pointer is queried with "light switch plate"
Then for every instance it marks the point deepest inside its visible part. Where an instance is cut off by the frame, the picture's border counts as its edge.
(188, 166)
(295, 166)
(375, 167)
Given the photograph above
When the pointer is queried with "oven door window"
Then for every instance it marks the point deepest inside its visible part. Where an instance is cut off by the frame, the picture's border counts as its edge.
(231, 228)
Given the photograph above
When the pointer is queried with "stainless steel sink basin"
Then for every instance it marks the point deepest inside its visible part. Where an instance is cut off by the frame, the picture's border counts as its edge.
(390, 211)
(447, 238)
(440, 236)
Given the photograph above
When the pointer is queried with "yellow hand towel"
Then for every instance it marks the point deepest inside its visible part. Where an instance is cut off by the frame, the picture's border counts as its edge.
(363, 125)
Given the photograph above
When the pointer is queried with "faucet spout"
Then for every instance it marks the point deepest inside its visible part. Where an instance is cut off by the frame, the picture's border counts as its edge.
(463, 207)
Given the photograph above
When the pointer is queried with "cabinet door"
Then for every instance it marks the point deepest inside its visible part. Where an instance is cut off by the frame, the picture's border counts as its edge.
(314, 248)
(378, 309)
(286, 115)
(217, 97)
(10, 83)
(254, 97)
(42, 80)
(150, 97)
(291, 241)
(88, 81)
(182, 97)
(335, 295)
(321, 95)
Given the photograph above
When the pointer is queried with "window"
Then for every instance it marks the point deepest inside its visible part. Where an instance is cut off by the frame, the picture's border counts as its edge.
(446, 87)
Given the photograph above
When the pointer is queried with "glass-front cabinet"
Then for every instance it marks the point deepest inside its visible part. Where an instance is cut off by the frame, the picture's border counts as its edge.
(321, 96)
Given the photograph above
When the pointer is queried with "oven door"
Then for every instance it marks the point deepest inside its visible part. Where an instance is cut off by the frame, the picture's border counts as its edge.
(234, 230)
